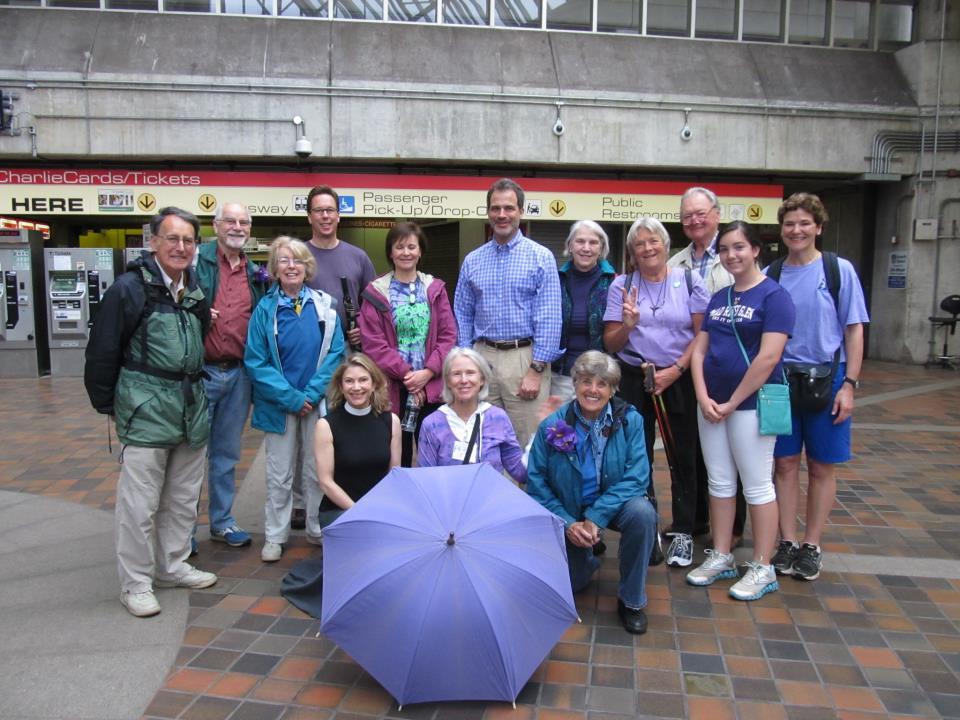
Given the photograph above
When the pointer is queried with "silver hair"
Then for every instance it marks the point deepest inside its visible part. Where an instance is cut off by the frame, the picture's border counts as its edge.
(477, 359)
(708, 194)
(592, 227)
(594, 363)
(651, 225)
(218, 214)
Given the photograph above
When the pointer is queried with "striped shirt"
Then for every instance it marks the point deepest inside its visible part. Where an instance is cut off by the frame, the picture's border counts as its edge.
(510, 292)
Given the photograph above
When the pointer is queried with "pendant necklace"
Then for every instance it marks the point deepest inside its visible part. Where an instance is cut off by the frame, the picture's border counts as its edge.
(661, 295)
(412, 297)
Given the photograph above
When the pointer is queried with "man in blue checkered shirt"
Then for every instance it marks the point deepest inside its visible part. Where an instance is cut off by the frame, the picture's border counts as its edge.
(507, 306)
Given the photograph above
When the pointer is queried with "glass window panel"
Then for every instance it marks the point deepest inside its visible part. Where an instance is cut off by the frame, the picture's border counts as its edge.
(247, 7)
(894, 24)
(199, 6)
(716, 19)
(668, 17)
(413, 10)
(465, 12)
(517, 13)
(568, 14)
(302, 8)
(73, 3)
(808, 22)
(619, 15)
(19, 3)
(358, 9)
(132, 5)
(762, 19)
(851, 23)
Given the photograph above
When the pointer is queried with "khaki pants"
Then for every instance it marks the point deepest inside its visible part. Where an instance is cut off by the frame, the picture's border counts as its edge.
(157, 496)
(290, 454)
(509, 367)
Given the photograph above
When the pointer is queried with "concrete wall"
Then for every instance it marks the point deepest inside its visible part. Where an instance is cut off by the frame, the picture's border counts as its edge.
(137, 85)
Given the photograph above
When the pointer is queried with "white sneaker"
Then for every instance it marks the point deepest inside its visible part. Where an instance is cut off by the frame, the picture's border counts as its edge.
(680, 552)
(141, 604)
(315, 539)
(271, 552)
(717, 566)
(194, 579)
(759, 580)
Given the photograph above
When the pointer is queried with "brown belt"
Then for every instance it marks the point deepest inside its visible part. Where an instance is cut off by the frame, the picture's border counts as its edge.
(224, 365)
(507, 344)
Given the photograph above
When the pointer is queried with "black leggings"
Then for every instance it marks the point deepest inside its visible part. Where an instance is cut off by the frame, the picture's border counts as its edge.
(688, 481)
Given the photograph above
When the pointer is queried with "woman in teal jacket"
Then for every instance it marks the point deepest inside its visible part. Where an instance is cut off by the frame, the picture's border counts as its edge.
(294, 344)
(588, 465)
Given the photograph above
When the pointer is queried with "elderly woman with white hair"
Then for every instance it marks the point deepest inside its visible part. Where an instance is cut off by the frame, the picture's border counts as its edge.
(588, 466)
(584, 283)
(652, 317)
(467, 429)
(294, 345)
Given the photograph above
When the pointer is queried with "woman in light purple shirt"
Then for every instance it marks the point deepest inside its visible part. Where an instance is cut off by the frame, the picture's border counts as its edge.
(652, 316)
(445, 434)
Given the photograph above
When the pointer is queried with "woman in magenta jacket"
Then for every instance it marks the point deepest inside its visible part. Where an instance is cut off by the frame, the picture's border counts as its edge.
(407, 327)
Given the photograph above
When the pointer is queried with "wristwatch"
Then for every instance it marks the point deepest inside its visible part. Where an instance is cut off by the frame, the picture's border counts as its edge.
(854, 383)
(538, 366)
(680, 367)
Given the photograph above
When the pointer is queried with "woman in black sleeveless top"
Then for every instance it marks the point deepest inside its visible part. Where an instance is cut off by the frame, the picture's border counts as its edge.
(358, 441)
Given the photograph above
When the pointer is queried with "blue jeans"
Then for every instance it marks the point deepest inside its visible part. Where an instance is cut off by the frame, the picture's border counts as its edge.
(637, 524)
(228, 394)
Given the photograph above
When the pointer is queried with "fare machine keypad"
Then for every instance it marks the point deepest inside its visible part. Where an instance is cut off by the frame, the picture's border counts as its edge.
(77, 278)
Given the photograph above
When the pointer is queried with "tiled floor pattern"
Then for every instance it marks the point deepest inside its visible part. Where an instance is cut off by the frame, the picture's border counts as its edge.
(847, 646)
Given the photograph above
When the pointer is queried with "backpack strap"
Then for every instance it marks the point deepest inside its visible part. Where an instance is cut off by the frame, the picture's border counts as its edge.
(688, 276)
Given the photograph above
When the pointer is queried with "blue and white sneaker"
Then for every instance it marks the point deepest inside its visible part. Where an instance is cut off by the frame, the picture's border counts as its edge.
(680, 552)
(759, 580)
(232, 536)
(717, 566)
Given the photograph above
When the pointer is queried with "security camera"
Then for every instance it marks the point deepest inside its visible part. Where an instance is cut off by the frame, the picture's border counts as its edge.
(558, 127)
(303, 148)
(686, 133)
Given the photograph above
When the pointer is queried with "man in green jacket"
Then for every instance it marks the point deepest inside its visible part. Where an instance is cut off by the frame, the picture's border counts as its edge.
(143, 367)
(233, 284)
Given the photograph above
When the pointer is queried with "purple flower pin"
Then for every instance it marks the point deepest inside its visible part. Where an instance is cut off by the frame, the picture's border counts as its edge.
(562, 437)
(261, 275)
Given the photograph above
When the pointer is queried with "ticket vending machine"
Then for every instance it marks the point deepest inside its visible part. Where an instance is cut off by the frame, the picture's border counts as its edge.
(23, 329)
(76, 280)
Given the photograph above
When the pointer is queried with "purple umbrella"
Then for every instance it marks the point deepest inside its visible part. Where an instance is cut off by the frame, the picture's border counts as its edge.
(447, 583)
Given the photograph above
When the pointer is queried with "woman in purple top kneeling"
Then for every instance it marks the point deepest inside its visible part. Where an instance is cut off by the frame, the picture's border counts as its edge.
(446, 434)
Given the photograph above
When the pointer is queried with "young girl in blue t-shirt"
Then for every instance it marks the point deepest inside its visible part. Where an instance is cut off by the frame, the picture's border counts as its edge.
(726, 388)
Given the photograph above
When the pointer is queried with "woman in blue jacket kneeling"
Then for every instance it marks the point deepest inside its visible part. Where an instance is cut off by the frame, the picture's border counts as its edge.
(294, 343)
(588, 465)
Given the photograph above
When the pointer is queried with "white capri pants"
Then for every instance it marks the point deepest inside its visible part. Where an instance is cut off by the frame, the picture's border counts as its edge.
(734, 446)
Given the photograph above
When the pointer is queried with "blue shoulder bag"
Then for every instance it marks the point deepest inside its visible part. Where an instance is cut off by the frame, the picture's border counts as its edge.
(773, 399)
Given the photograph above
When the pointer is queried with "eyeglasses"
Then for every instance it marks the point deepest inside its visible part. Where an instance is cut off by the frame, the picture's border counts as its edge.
(174, 240)
(242, 222)
(290, 261)
(323, 211)
(698, 216)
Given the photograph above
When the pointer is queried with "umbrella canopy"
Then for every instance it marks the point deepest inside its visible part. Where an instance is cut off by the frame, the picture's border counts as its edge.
(446, 583)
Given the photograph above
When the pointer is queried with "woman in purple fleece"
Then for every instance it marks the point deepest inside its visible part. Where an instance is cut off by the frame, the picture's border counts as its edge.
(446, 434)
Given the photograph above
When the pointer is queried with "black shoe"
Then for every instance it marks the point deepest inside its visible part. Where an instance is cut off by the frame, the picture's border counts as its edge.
(298, 521)
(634, 621)
(784, 558)
(808, 563)
(656, 553)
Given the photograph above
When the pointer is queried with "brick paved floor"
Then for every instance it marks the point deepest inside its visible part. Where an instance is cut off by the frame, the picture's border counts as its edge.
(851, 645)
